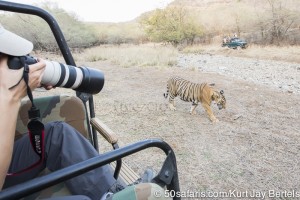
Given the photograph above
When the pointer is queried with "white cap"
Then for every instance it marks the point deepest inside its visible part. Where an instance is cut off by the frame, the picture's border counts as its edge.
(13, 44)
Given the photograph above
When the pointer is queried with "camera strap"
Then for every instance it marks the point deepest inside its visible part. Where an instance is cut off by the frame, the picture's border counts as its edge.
(36, 129)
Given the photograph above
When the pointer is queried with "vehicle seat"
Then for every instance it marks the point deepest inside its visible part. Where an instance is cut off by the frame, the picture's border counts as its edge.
(69, 109)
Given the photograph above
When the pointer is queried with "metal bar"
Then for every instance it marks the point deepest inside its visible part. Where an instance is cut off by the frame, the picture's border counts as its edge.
(32, 186)
(32, 10)
(118, 163)
(92, 115)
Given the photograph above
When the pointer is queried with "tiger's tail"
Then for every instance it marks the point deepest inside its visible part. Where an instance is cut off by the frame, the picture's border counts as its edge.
(167, 93)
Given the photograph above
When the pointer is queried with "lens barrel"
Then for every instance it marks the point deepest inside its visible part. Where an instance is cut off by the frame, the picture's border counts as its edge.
(81, 79)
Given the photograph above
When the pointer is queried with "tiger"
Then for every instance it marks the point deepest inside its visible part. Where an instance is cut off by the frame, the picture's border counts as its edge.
(195, 93)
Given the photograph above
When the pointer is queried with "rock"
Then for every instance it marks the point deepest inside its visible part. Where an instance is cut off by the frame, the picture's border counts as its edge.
(236, 117)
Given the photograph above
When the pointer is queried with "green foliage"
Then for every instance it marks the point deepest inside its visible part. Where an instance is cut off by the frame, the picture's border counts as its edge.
(172, 25)
(77, 34)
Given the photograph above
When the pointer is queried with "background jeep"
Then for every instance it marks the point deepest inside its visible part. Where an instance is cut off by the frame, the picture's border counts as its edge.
(235, 43)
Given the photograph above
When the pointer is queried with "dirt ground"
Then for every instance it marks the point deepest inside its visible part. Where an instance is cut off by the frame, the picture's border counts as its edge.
(254, 147)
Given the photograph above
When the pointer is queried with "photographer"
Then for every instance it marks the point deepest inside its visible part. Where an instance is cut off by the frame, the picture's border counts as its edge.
(64, 146)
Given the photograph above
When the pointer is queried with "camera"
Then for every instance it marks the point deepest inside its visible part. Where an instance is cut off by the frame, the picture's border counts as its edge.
(81, 79)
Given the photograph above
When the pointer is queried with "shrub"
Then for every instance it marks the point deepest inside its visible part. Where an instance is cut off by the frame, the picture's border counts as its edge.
(35, 29)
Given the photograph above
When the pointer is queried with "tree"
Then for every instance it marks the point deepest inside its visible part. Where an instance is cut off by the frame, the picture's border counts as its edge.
(280, 22)
(276, 22)
(171, 25)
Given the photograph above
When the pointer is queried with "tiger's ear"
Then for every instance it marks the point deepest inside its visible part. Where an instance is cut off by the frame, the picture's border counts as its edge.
(221, 92)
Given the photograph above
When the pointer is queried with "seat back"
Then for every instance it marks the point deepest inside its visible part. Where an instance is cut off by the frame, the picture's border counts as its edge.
(69, 109)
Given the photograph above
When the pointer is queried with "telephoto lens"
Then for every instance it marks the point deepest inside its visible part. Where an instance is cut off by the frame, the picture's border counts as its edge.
(81, 79)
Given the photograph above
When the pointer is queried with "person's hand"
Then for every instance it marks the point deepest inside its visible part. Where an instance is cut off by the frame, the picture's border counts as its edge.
(9, 78)
(48, 87)
(36, 72)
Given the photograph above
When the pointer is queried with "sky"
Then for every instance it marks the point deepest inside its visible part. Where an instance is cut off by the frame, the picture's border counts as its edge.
(104, 10)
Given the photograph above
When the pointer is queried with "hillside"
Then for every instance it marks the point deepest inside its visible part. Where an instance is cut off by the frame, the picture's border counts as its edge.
(260, 21)
(262, 4)
(117, 33)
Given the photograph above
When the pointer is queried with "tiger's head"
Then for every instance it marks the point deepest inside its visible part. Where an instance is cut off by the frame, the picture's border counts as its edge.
(219, 98)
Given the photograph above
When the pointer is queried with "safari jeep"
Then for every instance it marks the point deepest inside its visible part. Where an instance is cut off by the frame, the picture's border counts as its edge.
(235, 43)
(78, 111)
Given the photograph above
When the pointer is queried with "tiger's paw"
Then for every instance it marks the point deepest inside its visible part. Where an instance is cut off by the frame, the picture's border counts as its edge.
(193, 112)
(172, 107)
(214, 120)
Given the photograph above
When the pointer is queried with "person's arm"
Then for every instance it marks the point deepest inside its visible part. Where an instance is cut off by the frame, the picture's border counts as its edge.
(10, 101)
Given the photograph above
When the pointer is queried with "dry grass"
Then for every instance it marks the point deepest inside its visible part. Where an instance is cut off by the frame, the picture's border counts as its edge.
(132, 55)
(157, 55)
(285, 53)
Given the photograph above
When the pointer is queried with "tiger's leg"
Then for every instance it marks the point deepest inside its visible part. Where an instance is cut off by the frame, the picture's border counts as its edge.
(193, 108)
(209, 112)
(171, 101)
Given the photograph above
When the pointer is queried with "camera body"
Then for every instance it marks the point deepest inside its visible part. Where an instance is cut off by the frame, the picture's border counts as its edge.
(81, 79)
